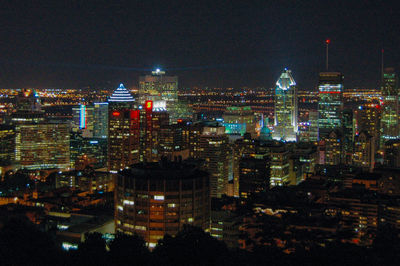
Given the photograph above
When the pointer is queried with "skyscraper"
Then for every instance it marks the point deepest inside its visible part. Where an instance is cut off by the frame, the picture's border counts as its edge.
(7, 144)
(100, 117)
(123, 130)
(42, 145)
(215, 152)
(158, 87)
(151, 120)
(390, 107)
(123, 138)
(367, 118)
(330, 105)
(285, 108)
(82, 119)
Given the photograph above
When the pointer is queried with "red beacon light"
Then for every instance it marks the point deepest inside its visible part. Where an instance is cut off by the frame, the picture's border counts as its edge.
(116, 113)
(328, 41)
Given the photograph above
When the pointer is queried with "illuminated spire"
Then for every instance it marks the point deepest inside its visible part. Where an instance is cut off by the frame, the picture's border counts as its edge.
(121, 94)
(285, 80)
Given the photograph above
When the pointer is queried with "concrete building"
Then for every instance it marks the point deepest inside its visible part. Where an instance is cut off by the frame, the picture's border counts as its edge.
(155, 199)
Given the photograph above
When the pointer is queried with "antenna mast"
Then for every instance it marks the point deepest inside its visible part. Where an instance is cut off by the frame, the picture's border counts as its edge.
(327, 53)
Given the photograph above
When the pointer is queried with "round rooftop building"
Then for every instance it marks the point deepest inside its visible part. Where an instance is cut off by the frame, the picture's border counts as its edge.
(155, 199)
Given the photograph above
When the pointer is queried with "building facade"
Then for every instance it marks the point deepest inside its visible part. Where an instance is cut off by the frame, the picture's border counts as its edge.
(155, 199)
(43, 145)
(215, 152)
(158, 87)
(286, 110)
(390, 107)
(330, 105)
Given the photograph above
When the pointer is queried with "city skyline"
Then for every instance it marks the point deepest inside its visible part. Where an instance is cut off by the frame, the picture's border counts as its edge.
(216, 44)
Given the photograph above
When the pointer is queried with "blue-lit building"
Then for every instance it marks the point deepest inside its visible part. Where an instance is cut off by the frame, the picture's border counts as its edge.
(239, 120)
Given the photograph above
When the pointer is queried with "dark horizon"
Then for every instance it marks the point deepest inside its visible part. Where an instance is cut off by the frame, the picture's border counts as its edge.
(206, 44)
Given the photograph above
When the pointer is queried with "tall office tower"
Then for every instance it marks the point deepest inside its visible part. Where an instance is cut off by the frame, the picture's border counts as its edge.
(174, 141)
(311, 132)
(158, 87)
(239, 120)
(367, 118)
(254, 174)
(245, 147)
(100, 117)
(151, 121)
(333, 148)
(123, 138)
(390, 107)
(123, 130)
(279, 166)
(7, 145)
(42, 145)
(348, 130)
(155, 199)
(194, 133)
(82, 119)
(214, 150)
(330, 105)
(364, 151)
(285, 108)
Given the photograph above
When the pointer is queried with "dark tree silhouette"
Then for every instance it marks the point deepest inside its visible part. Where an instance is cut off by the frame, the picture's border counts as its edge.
(21, 243)
(129, 250)
(191, 246)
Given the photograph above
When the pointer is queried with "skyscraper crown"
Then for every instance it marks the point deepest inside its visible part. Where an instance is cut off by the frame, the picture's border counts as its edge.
(121, 94)
(285, 80)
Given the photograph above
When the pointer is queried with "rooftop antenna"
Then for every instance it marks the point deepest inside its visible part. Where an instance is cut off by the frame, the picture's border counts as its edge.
(327, 53)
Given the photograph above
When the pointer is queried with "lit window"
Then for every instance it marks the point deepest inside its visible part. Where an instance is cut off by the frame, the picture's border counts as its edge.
(128, 202)
(159, 197)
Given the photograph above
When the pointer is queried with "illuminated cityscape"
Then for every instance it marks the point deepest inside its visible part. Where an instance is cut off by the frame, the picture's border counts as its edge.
(200, 134)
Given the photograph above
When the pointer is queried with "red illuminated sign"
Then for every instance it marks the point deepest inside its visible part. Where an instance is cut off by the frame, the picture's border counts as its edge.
(135, 114)
(149, 105)
(116, 113)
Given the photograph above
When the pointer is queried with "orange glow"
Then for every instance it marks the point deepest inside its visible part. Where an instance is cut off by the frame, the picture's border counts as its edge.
(116, 113)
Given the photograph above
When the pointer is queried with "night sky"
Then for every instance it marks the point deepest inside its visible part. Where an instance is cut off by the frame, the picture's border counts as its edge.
(205, 43)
